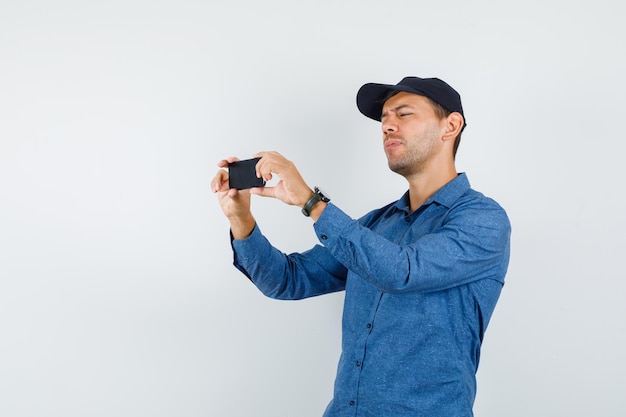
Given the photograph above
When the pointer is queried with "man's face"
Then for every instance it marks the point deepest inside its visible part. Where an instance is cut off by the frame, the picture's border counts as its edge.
(411, 133)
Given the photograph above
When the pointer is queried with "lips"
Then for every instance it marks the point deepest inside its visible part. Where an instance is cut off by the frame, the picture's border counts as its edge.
(392, 142)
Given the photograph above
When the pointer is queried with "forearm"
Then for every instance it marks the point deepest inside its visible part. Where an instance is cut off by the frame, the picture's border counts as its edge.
(282, 276)
(241, 226)
(433, 261)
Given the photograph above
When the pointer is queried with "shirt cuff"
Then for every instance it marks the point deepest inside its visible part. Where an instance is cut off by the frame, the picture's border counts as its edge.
(247, 250)
(330, 224)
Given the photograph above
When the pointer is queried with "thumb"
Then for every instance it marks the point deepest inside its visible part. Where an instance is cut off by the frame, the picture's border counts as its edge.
(264, 191)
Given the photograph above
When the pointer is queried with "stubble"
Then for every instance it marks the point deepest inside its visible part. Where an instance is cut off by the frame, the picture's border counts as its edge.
(416, 155)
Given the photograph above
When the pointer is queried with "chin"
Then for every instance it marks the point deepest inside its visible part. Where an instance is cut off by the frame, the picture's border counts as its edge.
(398, 168)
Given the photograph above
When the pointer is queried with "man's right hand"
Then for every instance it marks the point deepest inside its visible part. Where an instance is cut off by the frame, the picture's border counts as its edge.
(234, 203)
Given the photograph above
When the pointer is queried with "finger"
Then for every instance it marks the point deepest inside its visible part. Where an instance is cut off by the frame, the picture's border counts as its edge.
(263, 191)
(265, 166)
(236, 194)
(224, 162)
(220, 181)
(259, 165)
(266, 176)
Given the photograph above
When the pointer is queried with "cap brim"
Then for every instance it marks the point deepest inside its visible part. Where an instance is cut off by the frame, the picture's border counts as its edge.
(371, 97)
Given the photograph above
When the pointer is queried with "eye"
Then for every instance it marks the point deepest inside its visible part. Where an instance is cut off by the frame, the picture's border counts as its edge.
(404, 114)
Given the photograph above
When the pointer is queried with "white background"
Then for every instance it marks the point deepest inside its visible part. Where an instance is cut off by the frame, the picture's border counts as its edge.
(117, 291)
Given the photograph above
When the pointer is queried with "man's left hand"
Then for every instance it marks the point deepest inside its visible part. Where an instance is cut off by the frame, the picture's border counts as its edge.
(291, 189)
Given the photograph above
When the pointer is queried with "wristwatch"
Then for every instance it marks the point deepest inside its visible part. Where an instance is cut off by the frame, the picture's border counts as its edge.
(318, 195)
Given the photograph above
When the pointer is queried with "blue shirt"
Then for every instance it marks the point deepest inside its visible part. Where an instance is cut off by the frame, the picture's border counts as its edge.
(420, 289)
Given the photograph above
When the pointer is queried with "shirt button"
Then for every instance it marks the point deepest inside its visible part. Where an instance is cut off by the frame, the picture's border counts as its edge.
(407, 219)
(369, 325)
(324, 237)
(351, 402)
(358, 363)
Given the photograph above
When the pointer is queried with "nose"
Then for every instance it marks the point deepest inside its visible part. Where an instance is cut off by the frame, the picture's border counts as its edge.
(389, 125)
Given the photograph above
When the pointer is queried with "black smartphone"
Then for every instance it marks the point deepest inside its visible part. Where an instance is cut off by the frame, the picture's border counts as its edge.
(242, 174)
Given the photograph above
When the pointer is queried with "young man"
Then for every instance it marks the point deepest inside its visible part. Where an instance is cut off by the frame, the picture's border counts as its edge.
(422, 275)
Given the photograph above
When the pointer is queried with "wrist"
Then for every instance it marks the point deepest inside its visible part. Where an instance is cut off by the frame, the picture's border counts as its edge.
(314, 201)
(242, 226)
(316, 212)
(306, 197)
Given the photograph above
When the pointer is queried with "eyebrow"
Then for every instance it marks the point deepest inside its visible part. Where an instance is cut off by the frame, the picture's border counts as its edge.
(394, 109)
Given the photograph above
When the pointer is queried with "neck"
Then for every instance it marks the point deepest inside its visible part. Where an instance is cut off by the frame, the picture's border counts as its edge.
(423, 185)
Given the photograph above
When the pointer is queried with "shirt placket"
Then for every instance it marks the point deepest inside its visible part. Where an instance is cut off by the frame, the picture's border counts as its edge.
(401, 231)
(360, 354)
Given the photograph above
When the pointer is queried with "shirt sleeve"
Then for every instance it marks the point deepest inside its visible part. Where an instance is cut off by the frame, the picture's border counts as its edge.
(287, 276)
(472, 244)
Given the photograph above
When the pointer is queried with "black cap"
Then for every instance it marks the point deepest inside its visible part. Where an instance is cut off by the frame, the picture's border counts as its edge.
(370, 98)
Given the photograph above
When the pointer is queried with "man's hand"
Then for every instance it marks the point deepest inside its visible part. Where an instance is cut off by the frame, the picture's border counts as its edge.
(234, 203)
(291, 189)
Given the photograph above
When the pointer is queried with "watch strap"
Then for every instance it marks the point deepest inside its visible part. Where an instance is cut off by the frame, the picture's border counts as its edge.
(311, 202)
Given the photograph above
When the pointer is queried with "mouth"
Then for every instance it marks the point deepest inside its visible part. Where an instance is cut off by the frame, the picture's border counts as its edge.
(392, 143)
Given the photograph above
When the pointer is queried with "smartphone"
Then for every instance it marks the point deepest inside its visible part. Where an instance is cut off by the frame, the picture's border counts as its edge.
(242, 174)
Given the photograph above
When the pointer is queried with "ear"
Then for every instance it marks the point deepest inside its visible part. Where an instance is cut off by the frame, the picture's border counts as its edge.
(453, 125)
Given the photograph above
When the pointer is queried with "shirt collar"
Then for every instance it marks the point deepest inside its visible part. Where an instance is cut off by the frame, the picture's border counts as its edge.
(445, 196)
